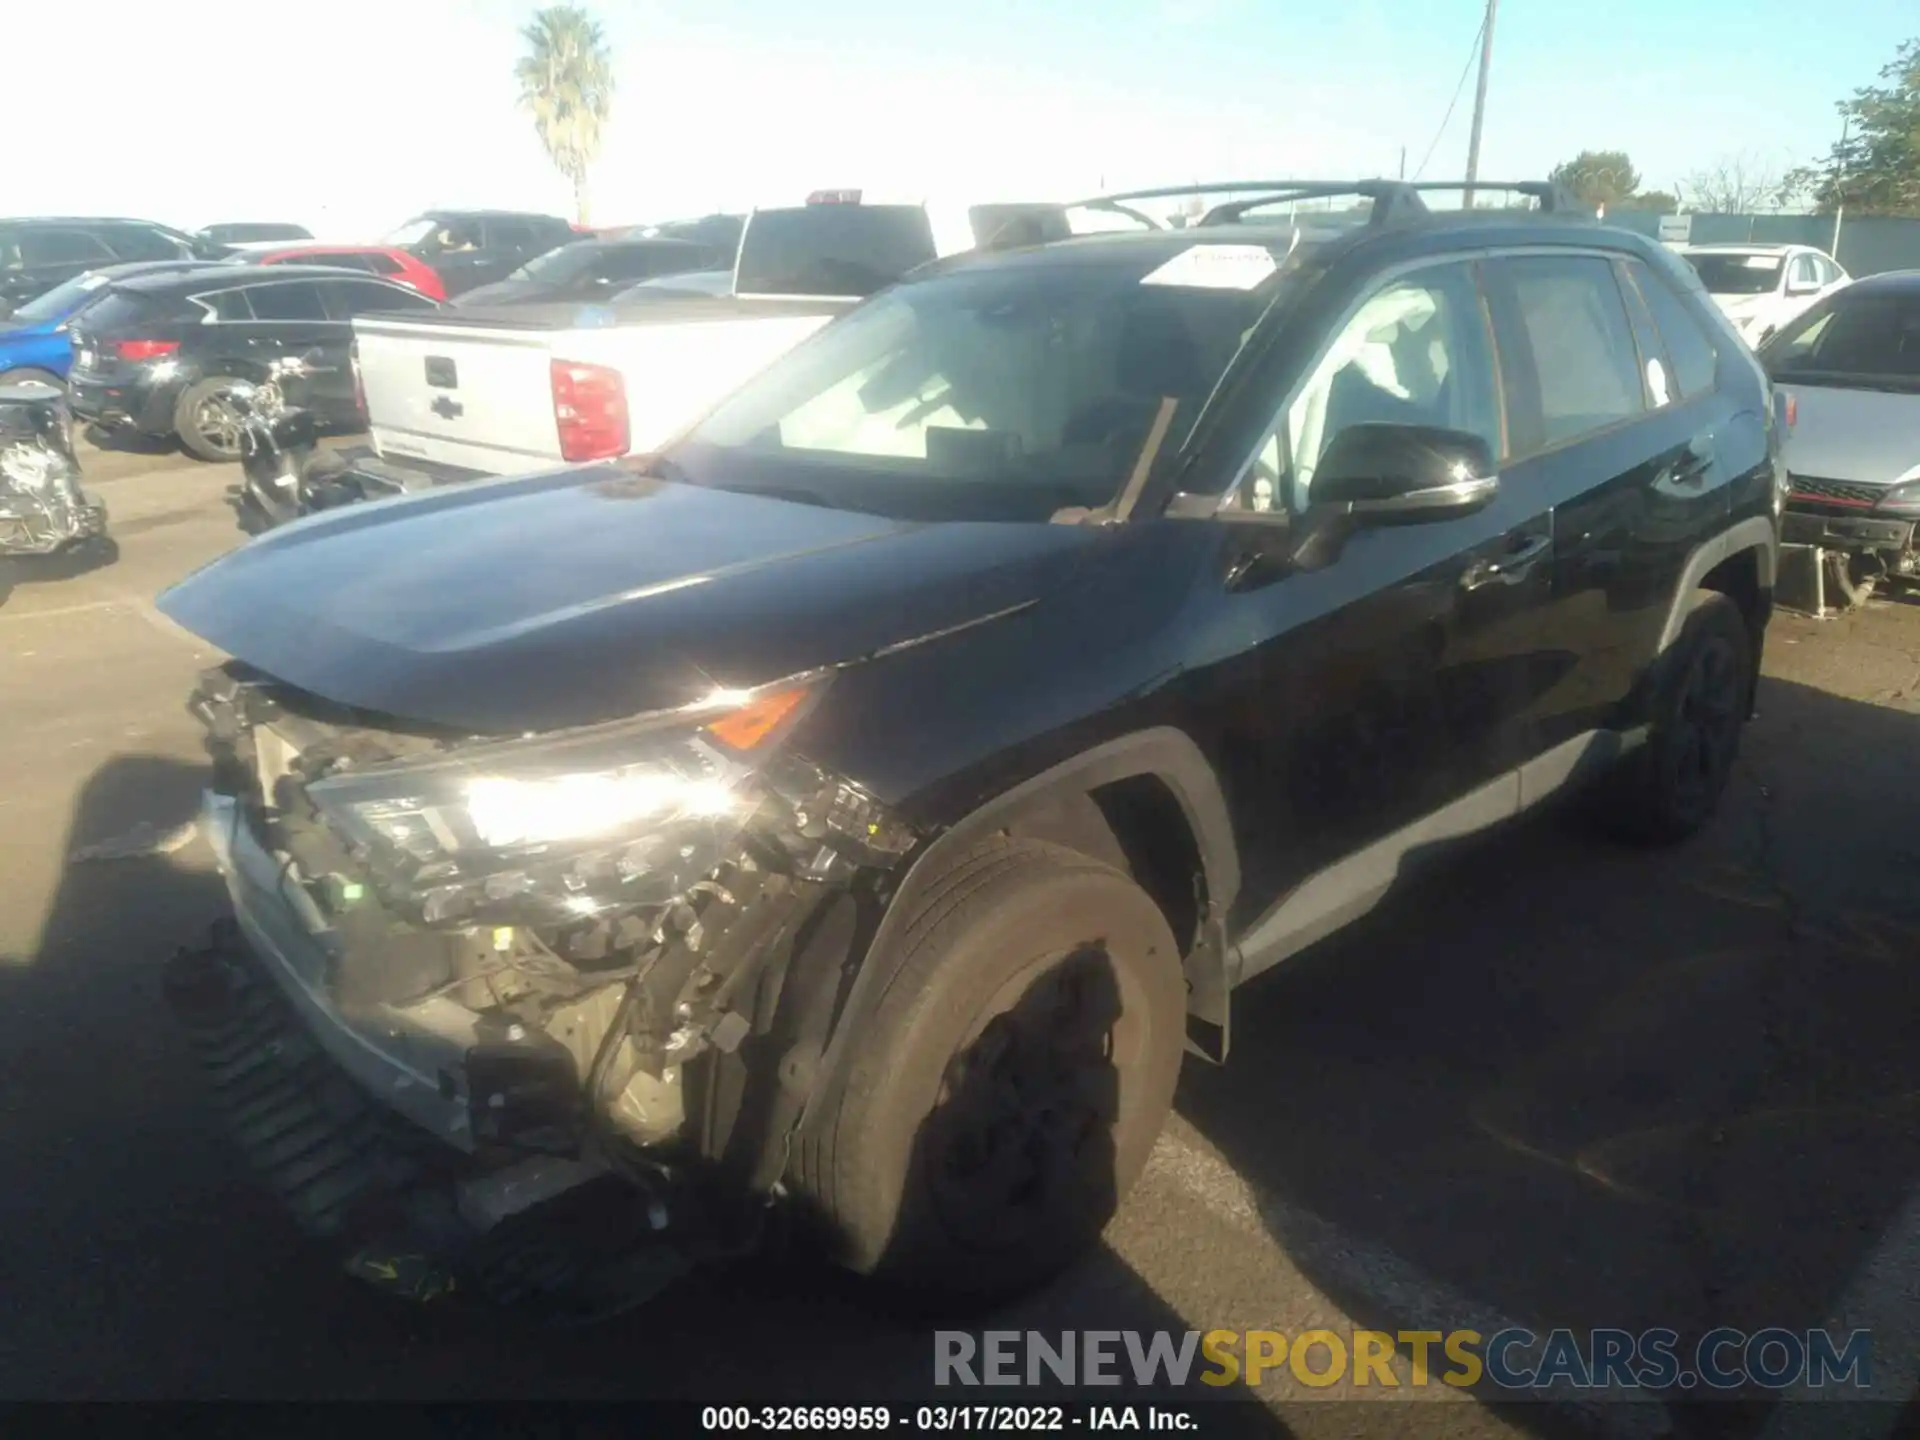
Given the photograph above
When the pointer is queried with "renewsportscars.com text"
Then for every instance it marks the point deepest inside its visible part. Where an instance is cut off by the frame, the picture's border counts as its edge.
(1512, 1359)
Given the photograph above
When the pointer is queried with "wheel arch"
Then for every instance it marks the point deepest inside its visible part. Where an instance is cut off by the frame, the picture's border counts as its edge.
(1111, 801)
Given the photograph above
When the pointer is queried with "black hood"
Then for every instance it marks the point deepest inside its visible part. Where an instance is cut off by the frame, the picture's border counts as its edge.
(546, 601)
(509, 292)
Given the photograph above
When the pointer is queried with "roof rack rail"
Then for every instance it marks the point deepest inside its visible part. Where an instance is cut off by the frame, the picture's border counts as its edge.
(1554, 198)
(1393, 199)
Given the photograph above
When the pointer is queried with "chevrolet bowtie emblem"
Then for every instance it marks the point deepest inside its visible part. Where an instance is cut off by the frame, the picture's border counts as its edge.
(447, 408)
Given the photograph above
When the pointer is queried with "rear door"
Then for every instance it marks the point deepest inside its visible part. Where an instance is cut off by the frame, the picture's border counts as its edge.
(1609, 443)
(282, 319)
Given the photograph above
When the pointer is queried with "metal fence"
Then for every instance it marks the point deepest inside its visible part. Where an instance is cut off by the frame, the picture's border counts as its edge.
(1868, 245)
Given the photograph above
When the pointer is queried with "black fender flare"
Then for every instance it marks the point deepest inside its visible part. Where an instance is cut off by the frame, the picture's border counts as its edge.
(1166, 753)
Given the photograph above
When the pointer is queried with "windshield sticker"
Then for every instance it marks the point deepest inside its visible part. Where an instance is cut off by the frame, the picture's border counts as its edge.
(1216, 267)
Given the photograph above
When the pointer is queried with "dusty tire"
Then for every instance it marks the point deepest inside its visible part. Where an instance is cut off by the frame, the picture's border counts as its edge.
(1009, 1085)
(1670, 787)
(188, 421)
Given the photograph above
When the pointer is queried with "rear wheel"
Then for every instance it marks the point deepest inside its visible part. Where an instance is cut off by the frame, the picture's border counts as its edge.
(1671, 786)
(29, 378)
(1011, 1081)
(209, 427)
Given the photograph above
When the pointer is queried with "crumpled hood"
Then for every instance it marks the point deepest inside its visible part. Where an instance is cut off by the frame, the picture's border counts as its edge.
(546, 601)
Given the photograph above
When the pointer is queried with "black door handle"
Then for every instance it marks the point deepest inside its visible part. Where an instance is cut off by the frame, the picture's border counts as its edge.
(1511, 568)
(1692, 466)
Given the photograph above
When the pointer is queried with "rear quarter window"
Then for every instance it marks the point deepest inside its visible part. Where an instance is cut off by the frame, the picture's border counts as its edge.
(138, 242)
(1695, 360)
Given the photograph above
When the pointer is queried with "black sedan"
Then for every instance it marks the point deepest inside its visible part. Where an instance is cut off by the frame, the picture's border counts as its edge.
(159, 356)
(594, 270)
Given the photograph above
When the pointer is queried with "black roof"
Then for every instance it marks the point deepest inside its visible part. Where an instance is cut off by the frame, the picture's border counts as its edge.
(1887, 282)
(490, 215)
(231, 276)
(83, 220)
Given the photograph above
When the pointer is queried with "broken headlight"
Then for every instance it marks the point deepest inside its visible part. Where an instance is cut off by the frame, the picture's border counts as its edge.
(567, 826)
(36, 469)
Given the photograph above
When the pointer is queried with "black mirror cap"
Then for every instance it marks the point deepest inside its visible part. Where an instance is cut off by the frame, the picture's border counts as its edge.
(1368, 464)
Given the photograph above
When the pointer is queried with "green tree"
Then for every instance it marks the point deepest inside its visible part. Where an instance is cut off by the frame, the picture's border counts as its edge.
(566, 84)
(1656, 202)
(1876, 169)
(1599, 177)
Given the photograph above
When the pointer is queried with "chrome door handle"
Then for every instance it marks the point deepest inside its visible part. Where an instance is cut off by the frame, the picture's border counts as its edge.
(1509, 569)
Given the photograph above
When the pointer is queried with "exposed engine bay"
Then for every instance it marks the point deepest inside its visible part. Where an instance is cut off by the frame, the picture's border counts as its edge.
(571, 947)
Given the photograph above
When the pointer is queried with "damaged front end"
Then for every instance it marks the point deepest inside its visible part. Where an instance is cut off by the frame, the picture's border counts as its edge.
(43, 510)
(576, 961)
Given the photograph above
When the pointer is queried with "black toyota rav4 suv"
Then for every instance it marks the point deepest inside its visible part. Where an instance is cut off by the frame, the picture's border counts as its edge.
(849, 816)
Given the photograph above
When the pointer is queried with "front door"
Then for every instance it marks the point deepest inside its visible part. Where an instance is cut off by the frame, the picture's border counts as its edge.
(1390, 674)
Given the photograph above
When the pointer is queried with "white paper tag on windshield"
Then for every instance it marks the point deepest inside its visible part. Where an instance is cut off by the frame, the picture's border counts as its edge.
(1216, 267)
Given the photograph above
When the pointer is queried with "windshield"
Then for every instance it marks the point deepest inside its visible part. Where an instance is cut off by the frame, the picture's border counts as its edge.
(994, 393)
(60, 301)
(411, 233)
(1738, 274)
(569, 262)
(1854, 341)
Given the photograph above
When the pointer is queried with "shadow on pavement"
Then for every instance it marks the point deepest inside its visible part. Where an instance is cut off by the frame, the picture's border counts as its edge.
(144, 1263)
(1560, 1083)
(130, 442)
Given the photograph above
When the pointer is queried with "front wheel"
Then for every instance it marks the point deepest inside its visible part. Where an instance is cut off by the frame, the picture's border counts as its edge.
(1011, 1081)
(210, 427)
(1671, 786)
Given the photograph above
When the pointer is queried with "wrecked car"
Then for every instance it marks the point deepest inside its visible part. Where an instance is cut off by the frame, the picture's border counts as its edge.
(1851, 369)
(44, 511)
(836, 827)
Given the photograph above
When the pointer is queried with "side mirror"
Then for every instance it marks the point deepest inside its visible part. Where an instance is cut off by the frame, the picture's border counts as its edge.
(1396, 474)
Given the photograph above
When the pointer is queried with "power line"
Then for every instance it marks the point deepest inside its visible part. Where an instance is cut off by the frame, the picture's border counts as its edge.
(1473, 52)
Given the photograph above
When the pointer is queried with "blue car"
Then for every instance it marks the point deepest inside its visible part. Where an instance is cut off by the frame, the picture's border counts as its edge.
(34, 349)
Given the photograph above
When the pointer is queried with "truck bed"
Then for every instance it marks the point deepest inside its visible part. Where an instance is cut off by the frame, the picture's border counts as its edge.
(473, 388)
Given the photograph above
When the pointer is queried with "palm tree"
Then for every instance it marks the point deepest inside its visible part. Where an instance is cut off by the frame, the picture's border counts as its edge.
(566, 83)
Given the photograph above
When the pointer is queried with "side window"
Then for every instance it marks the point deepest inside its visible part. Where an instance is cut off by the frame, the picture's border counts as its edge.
(509, 235)
(229, 306)
(1696, 364)
(1656, 370)
(383, 264)
(1802, 272)
(1573, 344)
(348, 298)
(61, 247)
(295, 300)
(1415, 353)
(641, 262)
(1829, 272)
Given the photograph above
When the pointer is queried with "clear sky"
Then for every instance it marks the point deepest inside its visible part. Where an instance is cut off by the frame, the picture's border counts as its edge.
(349, 115)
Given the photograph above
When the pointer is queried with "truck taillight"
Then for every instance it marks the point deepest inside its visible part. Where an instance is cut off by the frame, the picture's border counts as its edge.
(590, 410)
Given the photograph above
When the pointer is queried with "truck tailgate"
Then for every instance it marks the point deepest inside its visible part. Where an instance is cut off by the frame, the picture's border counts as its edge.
(477, 392)
(475, 397)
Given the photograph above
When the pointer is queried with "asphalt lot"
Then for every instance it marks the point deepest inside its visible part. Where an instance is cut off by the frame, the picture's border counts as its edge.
(1555, 1083)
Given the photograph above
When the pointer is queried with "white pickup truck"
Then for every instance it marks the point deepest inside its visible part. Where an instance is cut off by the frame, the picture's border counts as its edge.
(459, 394)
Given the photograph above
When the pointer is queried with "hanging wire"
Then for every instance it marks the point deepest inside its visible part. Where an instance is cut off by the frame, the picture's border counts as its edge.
(1447, 119)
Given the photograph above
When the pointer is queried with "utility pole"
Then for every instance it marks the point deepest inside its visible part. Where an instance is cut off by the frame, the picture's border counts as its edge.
(1480, 102)
(1840, 201)
(1403, 162)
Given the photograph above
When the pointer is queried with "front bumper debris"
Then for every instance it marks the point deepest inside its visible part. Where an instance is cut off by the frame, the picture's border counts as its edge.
(30, 525)
(1844, 532)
